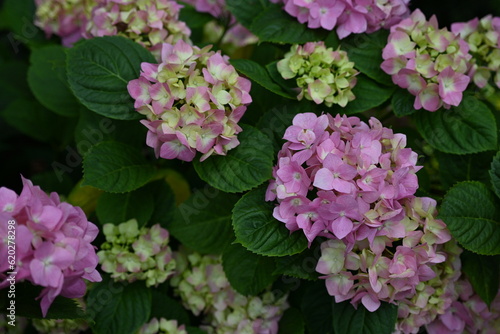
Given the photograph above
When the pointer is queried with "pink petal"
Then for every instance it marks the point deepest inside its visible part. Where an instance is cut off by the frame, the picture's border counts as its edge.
(324, 179)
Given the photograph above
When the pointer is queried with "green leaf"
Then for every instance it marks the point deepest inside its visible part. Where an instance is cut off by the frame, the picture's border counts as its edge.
(119, 208)
(402, 103)
(99, 70)
(93, 128)
(291, 322)
(20, 21)
(244, 167)
(248, 273)
(369, 94)
(302, 265)
(495, 174)
(468, 128)
(259, 74)
(273, 24)
(471, 212)
(203, 222)
(48, 81)
(348, 320)
(316, 307)
(275, 121)
(34, 120)
(365, 50)
(257, 229)
(470, 167)
(166, 307)
(28, 306)
(245, 11)
(483, 273)
(194, 18)
(13, 84)
(164, 203)
(116, 168)
(119, 308)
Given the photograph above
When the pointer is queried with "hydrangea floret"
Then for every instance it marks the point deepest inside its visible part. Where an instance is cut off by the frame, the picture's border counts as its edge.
(347, 16)
(60, 326)
(468, 313)
(162, 326)
(131, 254)
(483, 38)
(53, 243)
(322, 74)
(433, 297)
(391, 263)
(431, 63)
(341, 178)
(193, 101)
(235, 34)
(64, 18)
(204, 289)
(147, 22)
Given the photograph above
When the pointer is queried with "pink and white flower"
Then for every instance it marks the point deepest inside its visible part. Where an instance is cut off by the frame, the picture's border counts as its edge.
(193, 101)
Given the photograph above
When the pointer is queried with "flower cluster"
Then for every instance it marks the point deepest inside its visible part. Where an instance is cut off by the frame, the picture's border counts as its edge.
(52, 241)
(433, 297)
(204, 289)
(64, 18)
(341, 178)
(193, 101)
(348, 16)
(323, 75)
(468, 314)
(483, 38)
(236, 35)
(60, 326)
(391, 263)
(148, 22)
(162, 326)
(131, 254)
(429, 62)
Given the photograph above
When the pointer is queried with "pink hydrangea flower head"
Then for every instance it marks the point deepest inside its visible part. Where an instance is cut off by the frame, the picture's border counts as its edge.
(53, 243)
(468, 313)
(431, 63)
(66, 19)
(193, 101)
(483, 39)
(432, 297)
(149, 23)
(348, 16)
(341, 178)
(131, 254)
(395, 263)
(322, 75)
(204, 290)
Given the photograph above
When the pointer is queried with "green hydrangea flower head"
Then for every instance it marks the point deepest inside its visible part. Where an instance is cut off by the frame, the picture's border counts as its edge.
(322, 74)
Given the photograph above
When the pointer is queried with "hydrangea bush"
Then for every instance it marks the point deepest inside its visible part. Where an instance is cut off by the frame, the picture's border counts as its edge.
(249, 167)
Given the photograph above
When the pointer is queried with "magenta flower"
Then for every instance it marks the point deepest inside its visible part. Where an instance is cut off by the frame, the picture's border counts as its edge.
(368, 267)
(53, 247)
(193, 101)
(347, 16)
(338, 177)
